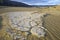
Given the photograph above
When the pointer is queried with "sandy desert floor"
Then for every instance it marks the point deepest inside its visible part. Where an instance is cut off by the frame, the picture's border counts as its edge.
(51, 22)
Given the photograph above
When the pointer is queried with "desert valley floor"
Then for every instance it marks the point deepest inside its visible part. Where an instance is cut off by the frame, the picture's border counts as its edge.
(49, 22)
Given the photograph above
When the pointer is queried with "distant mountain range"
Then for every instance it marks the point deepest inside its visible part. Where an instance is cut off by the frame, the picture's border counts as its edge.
(14, 3)
(44, 5)
(20, 4)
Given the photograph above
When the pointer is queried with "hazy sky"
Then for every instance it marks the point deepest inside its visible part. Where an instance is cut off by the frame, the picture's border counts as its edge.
(40, 2)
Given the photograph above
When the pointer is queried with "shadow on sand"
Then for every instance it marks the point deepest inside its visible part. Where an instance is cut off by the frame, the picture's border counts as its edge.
(1, 19)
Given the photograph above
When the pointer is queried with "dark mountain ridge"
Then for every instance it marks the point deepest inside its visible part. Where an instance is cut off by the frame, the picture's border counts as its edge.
(14, 3)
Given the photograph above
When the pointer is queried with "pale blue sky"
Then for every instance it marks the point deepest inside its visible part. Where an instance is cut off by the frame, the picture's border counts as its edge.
(40, 2)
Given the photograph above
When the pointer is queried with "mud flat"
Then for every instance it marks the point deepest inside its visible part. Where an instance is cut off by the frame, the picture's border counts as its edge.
(27, 22)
